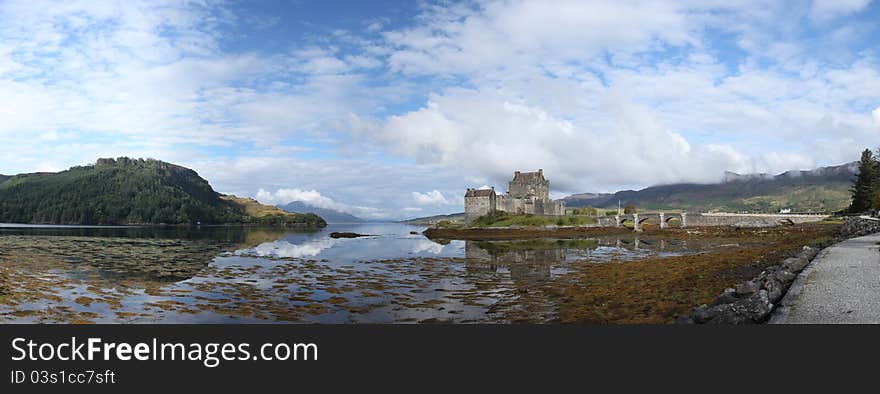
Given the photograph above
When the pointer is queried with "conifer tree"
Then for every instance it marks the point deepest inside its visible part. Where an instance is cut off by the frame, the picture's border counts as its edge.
(865, 186)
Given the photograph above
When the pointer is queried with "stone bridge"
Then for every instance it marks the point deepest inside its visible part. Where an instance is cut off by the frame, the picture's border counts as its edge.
(685, 219)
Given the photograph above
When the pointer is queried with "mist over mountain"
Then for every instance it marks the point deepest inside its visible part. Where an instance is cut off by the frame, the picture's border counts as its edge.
(822, 189)
(329, 215)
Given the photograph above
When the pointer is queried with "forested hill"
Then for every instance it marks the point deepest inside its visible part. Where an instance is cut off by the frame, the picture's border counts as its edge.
(127, 191)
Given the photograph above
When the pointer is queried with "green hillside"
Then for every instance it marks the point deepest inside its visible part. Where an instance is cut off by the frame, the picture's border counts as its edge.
(822, 190)
(125, 191)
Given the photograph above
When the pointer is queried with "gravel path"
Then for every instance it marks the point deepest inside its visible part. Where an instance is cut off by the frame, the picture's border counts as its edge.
(842, 286)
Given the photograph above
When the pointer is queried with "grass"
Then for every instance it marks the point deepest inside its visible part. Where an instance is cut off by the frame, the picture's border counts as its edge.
(503, 219)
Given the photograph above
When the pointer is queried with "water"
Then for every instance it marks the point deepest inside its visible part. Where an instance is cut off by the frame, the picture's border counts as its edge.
(234, 274)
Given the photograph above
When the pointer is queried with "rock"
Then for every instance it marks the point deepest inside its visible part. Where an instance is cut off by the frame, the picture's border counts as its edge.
(855, 227)
(727, 314)
(785, 277)
(795, 264)
(414, 232)
(774, 289)
(684, 320)
(347, 235)
(754, 309)
(701, 314)
(728, 296)
(757, 307)
(747, 288)
(809, 253)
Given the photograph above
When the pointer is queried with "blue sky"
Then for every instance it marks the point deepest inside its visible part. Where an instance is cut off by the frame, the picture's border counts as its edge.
(390, 109)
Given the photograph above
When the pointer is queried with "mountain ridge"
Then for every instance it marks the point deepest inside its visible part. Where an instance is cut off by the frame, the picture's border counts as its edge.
(822, 189)
(329, 215)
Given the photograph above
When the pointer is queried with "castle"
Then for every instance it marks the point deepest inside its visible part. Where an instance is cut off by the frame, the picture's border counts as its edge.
(527, 193)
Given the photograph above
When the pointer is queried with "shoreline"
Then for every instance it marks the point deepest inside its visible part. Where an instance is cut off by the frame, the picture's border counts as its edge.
(512, 233)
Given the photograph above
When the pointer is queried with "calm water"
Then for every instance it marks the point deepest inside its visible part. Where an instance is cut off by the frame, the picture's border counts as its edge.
(233, 274)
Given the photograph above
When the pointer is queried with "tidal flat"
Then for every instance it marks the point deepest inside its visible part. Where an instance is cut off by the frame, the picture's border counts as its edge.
(247, 275)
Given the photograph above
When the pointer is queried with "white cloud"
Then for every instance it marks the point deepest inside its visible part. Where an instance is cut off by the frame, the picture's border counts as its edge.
(602, 106)
(822, 10)
(284, 196)
(602, 95)
(154, 74)
(465, 38)
(433, 197)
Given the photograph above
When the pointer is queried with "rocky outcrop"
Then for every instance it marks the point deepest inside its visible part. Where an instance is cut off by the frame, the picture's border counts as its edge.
(752, 301)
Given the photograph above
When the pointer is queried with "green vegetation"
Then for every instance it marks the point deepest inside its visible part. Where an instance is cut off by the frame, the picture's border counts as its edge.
(504, 219)
(587, 211)
(866, 187)
(126, 191)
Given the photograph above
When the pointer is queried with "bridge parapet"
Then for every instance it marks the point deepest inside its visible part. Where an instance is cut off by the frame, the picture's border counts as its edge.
(709, 219)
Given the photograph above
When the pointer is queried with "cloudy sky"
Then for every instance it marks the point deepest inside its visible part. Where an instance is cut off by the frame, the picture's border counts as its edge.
(390, 109)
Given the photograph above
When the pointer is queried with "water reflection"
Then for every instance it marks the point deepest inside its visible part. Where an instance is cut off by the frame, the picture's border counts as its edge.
(240, 274)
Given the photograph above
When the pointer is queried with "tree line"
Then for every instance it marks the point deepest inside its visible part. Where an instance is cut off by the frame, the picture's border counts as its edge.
(866, 187)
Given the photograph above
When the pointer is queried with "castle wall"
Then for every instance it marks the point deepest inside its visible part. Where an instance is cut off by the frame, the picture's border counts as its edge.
(475, 207)
(530, 206)
(522, 189)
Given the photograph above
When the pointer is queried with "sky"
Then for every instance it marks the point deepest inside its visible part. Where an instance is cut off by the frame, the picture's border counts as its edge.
(391, 109)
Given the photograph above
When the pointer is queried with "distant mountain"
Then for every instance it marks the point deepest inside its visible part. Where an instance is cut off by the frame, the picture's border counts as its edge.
(131, 191)
(430, 220)
(4, 177)
(330, 215)
(585, 199)
(822, 189)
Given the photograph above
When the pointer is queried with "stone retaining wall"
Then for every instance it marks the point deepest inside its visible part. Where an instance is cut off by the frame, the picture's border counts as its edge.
(857, 227)
(753, 301)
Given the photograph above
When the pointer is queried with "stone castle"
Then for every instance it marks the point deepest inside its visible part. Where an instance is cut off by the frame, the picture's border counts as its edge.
(527, 193)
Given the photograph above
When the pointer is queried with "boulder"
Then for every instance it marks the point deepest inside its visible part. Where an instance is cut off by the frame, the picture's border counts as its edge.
(795, 264)
(757, 307)
(727, 314)
(785, 276)
(701, 314)
(809, 253)
(747, 288)
(774, 289)
(728, 296)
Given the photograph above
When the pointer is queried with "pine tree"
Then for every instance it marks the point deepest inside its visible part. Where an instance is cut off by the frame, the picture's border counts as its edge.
(875, 195)
(864, 190)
